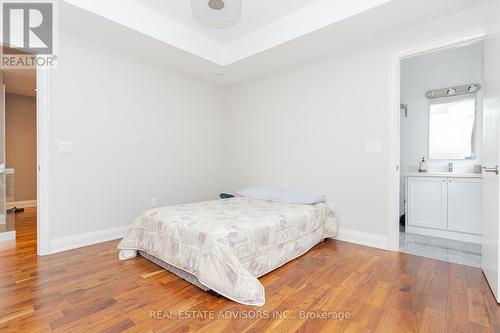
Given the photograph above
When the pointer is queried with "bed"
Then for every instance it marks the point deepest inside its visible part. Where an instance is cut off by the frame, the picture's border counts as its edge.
(225, 245)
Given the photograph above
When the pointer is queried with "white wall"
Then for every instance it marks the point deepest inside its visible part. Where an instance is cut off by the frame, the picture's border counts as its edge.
(308, 126)
(420, 74)
(139, 132)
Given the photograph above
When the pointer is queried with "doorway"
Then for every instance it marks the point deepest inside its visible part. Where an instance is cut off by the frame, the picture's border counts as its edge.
(18, 141)
(440, 154)
(399, 108)
(41, 213)
(490, 208)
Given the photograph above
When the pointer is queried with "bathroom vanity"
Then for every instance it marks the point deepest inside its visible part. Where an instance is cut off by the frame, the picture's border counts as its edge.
(445, 205)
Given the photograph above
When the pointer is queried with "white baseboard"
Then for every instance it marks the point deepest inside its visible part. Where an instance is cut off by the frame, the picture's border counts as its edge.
(362, 238)
(8, 235)
(21, 204)
(85, 239)
(447, 234)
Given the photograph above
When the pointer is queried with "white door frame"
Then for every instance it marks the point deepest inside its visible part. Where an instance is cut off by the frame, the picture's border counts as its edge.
(395, 56)
(44, 139)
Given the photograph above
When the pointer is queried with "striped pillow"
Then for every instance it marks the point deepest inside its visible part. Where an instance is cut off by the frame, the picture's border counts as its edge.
(282, 196)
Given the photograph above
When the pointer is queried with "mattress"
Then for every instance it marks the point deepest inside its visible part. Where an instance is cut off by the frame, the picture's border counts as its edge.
(227, 244)
(177, 271)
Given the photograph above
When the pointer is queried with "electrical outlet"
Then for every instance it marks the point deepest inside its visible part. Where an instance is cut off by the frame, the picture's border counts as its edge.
(154, 203)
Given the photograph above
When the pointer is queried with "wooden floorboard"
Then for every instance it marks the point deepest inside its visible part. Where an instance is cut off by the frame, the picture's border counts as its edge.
(90, 290)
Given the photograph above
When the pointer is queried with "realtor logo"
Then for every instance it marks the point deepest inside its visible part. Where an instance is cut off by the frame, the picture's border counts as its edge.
(29, 26)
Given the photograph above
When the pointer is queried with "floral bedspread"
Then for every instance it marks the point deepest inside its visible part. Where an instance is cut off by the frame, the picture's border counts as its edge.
(228, 244)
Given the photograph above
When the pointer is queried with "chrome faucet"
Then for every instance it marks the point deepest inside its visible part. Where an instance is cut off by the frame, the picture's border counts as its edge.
(450, 166)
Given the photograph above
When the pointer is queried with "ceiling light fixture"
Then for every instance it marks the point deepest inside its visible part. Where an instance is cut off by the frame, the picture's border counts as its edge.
(217, 13)
(216, 4)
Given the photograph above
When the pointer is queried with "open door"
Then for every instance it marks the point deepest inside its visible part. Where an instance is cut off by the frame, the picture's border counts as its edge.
(490, 211)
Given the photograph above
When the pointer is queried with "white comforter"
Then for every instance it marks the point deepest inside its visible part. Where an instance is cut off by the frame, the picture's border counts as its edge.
(227, 244)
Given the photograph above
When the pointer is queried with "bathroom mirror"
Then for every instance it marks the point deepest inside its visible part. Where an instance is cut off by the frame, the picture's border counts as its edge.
(452, 128)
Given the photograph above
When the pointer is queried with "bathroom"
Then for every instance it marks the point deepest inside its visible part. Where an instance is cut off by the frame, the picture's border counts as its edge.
(441, 127)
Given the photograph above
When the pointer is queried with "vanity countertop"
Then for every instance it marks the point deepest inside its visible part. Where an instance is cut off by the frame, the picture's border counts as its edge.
(443, 174)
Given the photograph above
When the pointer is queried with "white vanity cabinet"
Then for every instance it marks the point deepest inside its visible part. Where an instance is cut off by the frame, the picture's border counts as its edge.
(444, 206)
(464, 205)
(427, 202)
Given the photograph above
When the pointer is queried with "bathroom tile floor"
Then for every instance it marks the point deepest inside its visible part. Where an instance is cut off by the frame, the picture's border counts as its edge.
(457, 252)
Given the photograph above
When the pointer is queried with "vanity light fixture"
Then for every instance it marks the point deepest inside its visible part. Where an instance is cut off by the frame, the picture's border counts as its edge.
(473, 88)
(453, 91)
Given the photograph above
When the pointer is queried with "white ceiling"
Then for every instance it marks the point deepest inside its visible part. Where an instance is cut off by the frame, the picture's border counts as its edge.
(256, 14)
(260, 31)
(280, 44)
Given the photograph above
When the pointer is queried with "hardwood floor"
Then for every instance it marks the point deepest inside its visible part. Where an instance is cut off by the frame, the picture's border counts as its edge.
(90, 290)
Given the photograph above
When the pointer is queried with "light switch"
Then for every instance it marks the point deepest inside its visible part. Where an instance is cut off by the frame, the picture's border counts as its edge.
(64, 147)
(374, 148)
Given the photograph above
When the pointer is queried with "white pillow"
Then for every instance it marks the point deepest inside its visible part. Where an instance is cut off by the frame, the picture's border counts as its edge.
(282, 196)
